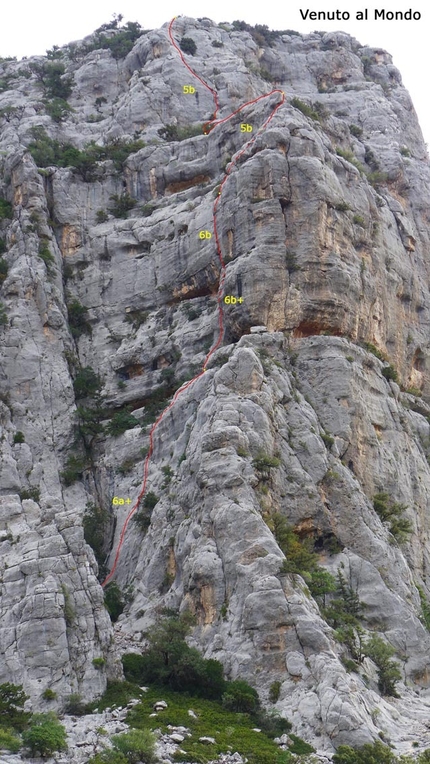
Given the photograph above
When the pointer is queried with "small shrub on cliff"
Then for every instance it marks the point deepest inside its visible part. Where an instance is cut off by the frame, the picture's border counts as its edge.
(3, 315)
(275, 691)
(122, 203)
(188, 45)
(176, 133)
(5, 209)
(392, 513)
(45, 736)
(120, 422)
(3, 269)
(114, 601)
(389, 372)
(307, 110)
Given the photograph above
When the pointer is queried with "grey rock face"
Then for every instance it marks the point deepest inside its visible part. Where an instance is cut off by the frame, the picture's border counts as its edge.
(323, 225)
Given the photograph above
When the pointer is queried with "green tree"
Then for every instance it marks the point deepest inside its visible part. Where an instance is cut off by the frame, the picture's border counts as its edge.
(136, 745)
(381, 654)
(346, 607)
(392, 513)
(86, 383)
(12, 699)
(321, 583)
(78, 319)
(45, 735)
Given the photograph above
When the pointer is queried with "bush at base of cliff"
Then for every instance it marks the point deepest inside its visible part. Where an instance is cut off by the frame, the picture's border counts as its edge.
(136, 745)
(45, 736)
(109, 757)
(368, 754)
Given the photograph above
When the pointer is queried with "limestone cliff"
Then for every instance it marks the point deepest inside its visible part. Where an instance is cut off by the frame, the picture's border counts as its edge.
(324, 228)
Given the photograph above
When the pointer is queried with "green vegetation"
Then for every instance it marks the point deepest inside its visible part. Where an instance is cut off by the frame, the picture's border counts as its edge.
(308, 111)
(5, 209)
(46, 255)
(49, 694)
(86, 383)
(377, 178)
(263, 463)
(19, 437)
(374, 350)
(73, 471)
(371, 753)
(392, 512)
(345, 609)
(120, 422)
(122, 203)
(69, 613)
(425, 607)
(359, 220)
(188, 45)
(96, 524)
(52, 78)
(45, 735)
(230, 729)
(261, 33)
(328, 439)
(143, 517)
(275, 691)
(176, 133)
(136, 745)
(75, 706)
(356, 131)
(381, 654)
(114, 601)
(108, 757)
(30, 493)
(136, 317)
(291, 261)
(405, 152)
(4, 268)
(349, 156)
(98, 663)
(389, 372)
(12, 700)
(342, 207)
(120, 43)
(3, 315)
(48, 152)
(78, 319)
(9, 740)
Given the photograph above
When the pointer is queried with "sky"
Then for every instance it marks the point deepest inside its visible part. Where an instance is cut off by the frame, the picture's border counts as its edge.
(30, 28)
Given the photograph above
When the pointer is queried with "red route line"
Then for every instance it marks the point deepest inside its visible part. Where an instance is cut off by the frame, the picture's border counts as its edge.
(207, 128)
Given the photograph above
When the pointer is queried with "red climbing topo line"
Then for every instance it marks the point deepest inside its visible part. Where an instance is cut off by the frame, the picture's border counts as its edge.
(207, 128)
